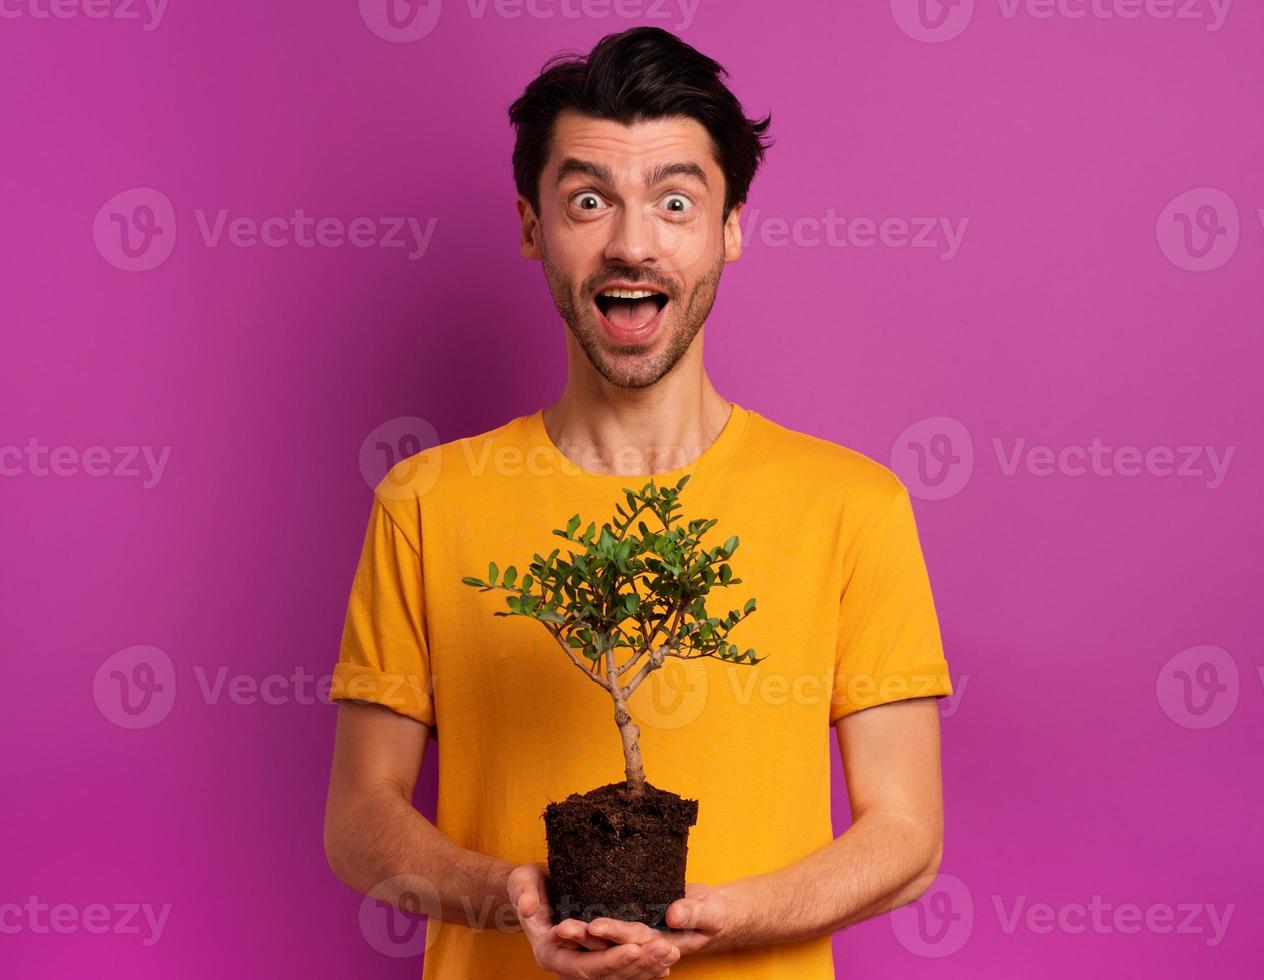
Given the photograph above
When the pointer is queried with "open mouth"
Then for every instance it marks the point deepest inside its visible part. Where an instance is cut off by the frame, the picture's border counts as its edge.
(630, 313)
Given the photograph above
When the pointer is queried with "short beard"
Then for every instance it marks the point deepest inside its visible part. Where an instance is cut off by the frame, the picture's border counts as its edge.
(646, 370)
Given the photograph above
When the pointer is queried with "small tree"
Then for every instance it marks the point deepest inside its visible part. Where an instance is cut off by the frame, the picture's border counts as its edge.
(636, 596)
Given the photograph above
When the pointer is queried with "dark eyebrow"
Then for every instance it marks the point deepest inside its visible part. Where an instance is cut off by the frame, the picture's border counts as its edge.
(594, 170)
(572, 165)
(665, 170)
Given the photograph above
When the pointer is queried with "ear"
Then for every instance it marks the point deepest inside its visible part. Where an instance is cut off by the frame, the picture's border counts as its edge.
(733, 234)
(529, 243)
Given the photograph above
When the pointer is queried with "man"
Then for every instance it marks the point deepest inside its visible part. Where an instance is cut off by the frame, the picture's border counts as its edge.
(632, 166)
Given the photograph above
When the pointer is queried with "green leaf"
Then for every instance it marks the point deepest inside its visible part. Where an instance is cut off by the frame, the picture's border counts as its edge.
(726, 573)
(492, 572)
(527, 581)
(572, 525)
(471, 580)
(749, 607)
(730, 545)
(511, 576)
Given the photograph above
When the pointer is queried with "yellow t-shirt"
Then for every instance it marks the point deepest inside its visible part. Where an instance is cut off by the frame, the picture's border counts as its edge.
(844, 615)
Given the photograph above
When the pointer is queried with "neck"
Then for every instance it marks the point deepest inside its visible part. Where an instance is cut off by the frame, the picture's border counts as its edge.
(606, 429)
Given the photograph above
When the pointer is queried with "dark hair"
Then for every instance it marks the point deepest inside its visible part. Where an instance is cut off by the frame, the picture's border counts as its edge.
(640, 73)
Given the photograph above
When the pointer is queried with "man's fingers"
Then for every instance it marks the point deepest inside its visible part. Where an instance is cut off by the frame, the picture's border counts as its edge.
(652, 962)
(622, 931)
(574, 933)
(624, 962)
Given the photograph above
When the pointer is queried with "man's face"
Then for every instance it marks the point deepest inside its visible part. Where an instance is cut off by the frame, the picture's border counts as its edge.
(638, 209)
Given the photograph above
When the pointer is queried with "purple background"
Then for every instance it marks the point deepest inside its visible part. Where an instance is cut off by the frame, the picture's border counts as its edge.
(1075, 307)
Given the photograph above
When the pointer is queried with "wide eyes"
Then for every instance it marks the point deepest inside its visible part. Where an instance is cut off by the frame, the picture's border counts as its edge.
(587, 201)
(591, 201)
(677, 203)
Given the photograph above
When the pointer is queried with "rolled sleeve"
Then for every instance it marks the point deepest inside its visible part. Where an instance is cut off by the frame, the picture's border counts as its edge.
(384, 657)
(889, 644)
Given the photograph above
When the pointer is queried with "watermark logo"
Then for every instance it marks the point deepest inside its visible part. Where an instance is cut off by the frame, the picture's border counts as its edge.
(395, 916)
(401, 21)
(395, 441)
(96, 918)
(1199, 230)
(146, 463)
(679, 691)
(135, 230)
(1103, 919)
(676, 696)
(1213, 12)
(308, 231)
(936, 21)
(1198, 688)
(950, 704)
(934, 458)
(932, 21)
(148, 13)
(136, 687)
(940, 233)
(940, 922)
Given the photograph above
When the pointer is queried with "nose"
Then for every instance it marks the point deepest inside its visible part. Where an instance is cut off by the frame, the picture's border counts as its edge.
(633, 239)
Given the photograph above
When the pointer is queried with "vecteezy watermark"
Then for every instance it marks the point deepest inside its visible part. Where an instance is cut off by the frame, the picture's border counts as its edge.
(936, 21)
(935, 458)
(680, 690)
(136, 687)
(400, 441)
(1207, 463)
(942, 234)
(146, 463)
(148, 13)
(403, 21)
(940, 922)
(96, 918)
(398, 916)
(1198, 687)
(135, 230)
(1103, 918)
(393, 459)
(1199, 230)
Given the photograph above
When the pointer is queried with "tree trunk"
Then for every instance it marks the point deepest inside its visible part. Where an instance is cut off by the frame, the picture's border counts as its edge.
(633, 769)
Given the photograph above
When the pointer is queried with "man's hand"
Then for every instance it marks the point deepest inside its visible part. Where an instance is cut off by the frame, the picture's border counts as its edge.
(571, 951)
(706, 918)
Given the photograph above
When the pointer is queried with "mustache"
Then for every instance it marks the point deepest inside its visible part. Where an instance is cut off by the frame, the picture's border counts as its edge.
(639, 278)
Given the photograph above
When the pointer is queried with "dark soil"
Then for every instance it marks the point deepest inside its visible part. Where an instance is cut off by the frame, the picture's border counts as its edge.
(617, 855)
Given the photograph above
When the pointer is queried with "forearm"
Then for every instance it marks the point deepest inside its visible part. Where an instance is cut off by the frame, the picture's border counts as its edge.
(881, 862)
(383, 846)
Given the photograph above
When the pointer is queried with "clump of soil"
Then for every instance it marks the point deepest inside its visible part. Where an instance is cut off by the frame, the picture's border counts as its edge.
(618, 855)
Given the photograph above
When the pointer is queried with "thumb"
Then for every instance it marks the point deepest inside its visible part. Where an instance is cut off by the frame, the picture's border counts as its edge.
(528, 901)
(524, 895)
(682, 913)
(693, 913)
